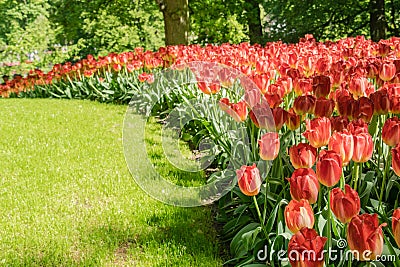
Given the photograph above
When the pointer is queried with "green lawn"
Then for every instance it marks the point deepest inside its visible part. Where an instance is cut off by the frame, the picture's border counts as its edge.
(67, 198)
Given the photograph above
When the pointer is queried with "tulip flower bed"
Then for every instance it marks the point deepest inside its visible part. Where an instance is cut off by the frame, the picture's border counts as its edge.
(318, 172)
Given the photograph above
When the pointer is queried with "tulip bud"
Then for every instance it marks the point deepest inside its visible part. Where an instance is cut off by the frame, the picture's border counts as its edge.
(343, 144)
(318, 131)
(249, 180)
(345, 205)
(304, 104)
(365, 237)
(304, 185)
(391, 131)
(299, 214)
(302, 155)
(306, 248)
(269, 146)
(387, 71)
(321, 86)
(363, 147)
(396, 226)
(396, 159)
(324, 107)
(329, 167)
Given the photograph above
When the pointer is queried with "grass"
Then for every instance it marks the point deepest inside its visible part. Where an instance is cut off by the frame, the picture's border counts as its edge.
(67, 198)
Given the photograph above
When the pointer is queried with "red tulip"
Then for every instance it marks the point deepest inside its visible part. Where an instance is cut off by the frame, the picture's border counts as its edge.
(339, 123)
(299, 214)
(365, 237)
(302, 86)
(306, 249)
(304, 185)
(395, 104)
(396, 159)
(381, 102)
(343, 144)
(280, 116)
(304, 104)
(357, 127)
(345, 205)
(292, 120)
(363, 109)
(318, 131)
(391, 131)
(262, 82)
(252, 97)
(329, 167)
(269, 146)
(262, 116)
(324, 107)
(302, 155)
(363, 147)
(345, 105)
(396, 226)
(387, 71)
(249, 180)
(238, 111)
(321, 86)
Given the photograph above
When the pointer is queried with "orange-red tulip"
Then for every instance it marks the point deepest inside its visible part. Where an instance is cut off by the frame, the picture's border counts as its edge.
(343, 144)
(345, 205)
(306, 249)
(302, 155)
(299, 214)
(209, 87)
(280, 116)
(396, 226)
(387, 71)
(249, 180)
(396, 159)
(304, 185)
(363, 147)
(262, 116)
(269, 146)
(391, 131)
(365, 237)
(318, 131)
(238, 111)
(329, 167)
(358, 86)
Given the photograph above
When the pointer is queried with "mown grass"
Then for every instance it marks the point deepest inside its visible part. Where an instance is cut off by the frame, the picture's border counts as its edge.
(67, 198)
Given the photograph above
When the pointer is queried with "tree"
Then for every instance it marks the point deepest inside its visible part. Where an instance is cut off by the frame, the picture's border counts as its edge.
(377, 20)
(253, 15)
(176, 21)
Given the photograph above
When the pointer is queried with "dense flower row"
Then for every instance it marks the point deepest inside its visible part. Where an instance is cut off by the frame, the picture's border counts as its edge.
(342, 99)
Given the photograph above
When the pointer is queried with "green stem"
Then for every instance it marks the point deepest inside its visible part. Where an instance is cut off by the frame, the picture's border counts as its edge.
(342, 181)
(329, 234)
(259, 217)
(385, 174)
(356, 174)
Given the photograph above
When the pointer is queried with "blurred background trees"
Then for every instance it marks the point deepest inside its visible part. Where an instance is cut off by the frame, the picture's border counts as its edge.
(38, 33)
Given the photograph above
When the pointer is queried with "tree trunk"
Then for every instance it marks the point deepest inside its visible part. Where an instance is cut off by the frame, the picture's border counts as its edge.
(176, 21)
(254, 21)
(377, 22)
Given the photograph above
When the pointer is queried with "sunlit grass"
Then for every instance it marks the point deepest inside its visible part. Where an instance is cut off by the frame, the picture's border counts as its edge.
(67, 198)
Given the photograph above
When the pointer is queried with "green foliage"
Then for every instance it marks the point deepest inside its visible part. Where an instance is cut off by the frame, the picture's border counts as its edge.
(218, 21)
(101, 27)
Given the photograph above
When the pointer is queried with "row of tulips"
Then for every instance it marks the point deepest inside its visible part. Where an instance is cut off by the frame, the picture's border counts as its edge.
(324, 114)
